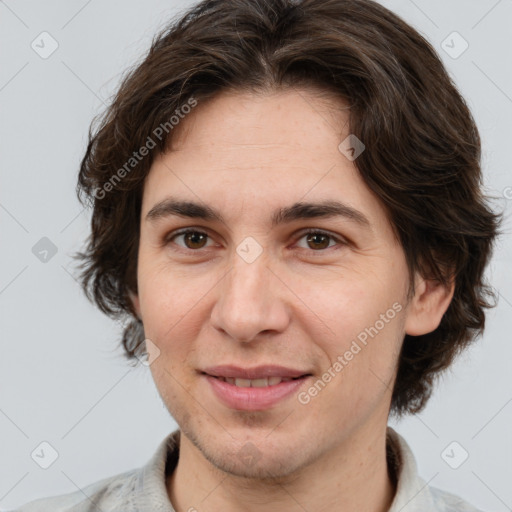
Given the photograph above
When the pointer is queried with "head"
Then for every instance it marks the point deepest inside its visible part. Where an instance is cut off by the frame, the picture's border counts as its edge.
(237, 124)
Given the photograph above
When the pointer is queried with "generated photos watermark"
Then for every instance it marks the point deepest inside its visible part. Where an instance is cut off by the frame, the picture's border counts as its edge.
(137, 156)
(305, 397)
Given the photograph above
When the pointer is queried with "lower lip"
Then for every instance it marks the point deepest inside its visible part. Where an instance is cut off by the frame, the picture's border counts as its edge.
(253, 399)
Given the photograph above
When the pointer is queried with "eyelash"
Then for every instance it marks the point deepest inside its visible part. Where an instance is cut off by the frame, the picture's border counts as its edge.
(168, 239)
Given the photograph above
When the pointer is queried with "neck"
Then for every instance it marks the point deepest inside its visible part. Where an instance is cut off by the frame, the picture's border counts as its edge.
(352, 476)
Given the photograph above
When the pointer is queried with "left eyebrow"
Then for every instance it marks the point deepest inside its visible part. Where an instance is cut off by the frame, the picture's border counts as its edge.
(324, 209)
(297, 211)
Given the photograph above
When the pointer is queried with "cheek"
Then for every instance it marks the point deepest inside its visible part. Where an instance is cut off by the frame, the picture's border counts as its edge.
(161, 288)
(361, 371)
(344, 308)
(173, 307)
(361, 328)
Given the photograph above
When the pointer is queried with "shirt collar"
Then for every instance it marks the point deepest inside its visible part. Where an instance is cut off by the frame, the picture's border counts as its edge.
(412, 492)
(151, 485)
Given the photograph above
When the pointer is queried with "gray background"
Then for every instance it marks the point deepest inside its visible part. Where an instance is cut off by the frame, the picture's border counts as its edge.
(62, 376)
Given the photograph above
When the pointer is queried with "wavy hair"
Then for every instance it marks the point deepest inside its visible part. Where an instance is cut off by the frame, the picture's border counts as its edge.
(422, 157)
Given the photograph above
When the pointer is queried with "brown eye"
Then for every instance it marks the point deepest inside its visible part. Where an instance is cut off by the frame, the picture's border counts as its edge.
(195, 240)
(318, 240)
(191, 239)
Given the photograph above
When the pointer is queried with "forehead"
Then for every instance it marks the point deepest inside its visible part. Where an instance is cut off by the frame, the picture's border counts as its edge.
(273, 121)
(240, 149)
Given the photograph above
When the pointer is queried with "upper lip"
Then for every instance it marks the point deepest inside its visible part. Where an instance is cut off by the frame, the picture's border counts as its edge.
(256, 372)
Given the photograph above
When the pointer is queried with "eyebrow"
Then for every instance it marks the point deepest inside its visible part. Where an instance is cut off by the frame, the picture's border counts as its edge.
(297, 211)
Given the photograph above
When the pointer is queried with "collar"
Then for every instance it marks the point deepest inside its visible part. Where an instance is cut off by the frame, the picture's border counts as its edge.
(412, 492)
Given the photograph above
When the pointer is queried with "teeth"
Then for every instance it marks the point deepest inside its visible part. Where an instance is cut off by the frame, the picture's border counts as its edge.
(243, 383)
(255, 383)
(259, 383)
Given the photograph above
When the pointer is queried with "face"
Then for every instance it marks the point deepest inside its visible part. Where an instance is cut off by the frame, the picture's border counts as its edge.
(266, 288)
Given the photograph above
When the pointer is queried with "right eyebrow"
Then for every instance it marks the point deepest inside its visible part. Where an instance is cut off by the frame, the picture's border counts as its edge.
(170, 206)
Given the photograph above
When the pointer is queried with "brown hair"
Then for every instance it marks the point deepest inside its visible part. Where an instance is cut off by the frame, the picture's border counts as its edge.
(422, 156)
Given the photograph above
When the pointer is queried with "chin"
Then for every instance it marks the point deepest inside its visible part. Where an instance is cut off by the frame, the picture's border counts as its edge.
(255, 465)
(251, 455)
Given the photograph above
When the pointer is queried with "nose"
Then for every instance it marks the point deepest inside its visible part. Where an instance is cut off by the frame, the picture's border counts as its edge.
(251, 301)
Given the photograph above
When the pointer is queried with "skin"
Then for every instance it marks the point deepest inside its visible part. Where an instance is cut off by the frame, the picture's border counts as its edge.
(296, 305)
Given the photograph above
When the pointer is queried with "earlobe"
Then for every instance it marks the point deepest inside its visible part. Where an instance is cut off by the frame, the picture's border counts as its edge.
(427, 307)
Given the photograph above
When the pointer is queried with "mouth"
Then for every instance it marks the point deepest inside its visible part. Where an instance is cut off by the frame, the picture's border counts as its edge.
(256, 383)
(255, 373)
(253, 389)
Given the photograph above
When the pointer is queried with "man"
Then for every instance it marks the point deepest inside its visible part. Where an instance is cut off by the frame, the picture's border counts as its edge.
(286, 201)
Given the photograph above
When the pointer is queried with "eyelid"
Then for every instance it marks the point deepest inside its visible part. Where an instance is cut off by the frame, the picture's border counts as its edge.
(173, 234)
(341, 241)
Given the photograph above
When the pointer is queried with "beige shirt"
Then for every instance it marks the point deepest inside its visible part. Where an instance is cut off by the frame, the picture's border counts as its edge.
(143, 489)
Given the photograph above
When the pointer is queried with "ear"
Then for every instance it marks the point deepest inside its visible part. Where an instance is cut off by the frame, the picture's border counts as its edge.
(136, 303)
(429, 304)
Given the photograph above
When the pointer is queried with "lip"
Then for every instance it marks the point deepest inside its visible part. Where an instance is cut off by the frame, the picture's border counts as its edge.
(253, 399)
(256, 372)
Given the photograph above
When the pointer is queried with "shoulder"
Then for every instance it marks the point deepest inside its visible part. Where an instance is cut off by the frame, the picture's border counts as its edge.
(445, 501)
(413, 494)
(106, 494)
(142, 487)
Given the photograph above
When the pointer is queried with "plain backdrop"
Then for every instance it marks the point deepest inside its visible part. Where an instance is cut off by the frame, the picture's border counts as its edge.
(63, 378)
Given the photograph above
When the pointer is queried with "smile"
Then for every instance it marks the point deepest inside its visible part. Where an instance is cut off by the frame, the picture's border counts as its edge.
(242, 393)
(255, 383)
